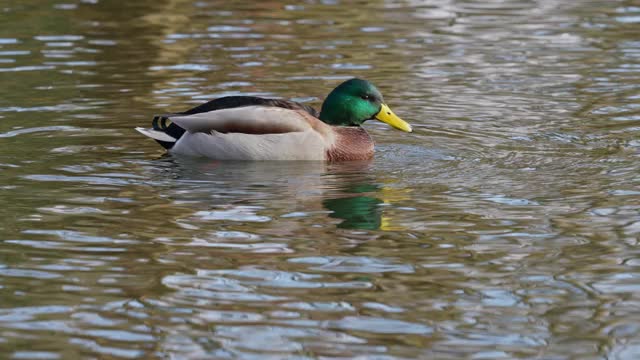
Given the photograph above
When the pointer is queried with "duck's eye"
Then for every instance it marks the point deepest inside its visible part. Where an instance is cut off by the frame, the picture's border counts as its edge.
(365, 97)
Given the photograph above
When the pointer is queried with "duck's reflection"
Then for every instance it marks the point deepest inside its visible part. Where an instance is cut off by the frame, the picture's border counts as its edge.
(361, 195)
(352, 192)
(357, 212)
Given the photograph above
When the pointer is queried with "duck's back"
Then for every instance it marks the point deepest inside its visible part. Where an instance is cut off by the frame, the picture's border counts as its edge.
(166, 132)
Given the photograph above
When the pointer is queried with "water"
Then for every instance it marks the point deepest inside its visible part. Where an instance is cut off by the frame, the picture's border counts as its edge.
(506, 226)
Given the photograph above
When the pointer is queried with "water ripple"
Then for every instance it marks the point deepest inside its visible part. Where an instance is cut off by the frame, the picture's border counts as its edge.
(505, 226)
(353, 264)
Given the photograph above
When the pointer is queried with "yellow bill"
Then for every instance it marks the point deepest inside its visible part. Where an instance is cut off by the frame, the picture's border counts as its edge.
(388, 117)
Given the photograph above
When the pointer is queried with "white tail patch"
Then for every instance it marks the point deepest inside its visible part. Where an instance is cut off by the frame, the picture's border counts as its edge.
(157, 135)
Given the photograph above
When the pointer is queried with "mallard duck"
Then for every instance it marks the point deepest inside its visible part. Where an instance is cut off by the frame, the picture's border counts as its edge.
(253, 128)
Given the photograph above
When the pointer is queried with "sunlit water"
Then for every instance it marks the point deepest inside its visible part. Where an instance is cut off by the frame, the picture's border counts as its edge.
(506, 226)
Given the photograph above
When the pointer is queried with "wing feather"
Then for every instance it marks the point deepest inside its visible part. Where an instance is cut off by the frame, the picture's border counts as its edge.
(247, 120)
(228, 102)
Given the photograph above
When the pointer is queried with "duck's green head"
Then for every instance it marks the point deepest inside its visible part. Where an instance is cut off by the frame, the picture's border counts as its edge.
(356, 101)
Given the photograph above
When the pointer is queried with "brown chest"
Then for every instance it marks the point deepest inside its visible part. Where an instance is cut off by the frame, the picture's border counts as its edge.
(352, 143)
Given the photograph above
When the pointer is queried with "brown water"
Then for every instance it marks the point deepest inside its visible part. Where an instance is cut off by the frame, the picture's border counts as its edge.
(506, 226)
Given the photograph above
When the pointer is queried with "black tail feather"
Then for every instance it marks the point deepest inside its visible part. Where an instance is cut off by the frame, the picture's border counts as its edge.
(159, 123)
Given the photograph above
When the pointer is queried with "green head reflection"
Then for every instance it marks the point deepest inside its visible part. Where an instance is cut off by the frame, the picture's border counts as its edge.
(357, 212)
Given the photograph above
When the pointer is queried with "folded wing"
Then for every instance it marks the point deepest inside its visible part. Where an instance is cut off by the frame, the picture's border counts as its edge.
(247, 120)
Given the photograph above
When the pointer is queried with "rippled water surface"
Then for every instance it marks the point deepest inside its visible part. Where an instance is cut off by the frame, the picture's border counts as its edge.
(506, 226)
